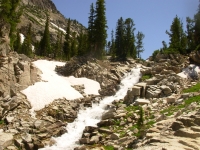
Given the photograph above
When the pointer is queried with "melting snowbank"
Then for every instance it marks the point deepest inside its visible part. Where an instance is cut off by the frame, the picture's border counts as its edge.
(91, 116)
(55, 86)
(191, 71)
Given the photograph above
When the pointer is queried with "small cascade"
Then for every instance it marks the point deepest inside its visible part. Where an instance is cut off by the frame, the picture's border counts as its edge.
(92, 115)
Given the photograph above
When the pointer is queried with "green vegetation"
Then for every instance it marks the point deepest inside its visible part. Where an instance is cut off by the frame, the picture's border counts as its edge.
(108, 147)
(139, 127)
(1, 122)
(174, 108)
(194, 88)
(45, 45)
(26, 47)
(180, 41)
(10, 14)
(145, 77)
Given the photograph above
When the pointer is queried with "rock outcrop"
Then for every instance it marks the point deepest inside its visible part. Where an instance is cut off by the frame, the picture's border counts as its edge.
(168, 121)
(4, 39)
(106, 73)
(195, 57)
(34, 12)
(42, 4)
(16, 73)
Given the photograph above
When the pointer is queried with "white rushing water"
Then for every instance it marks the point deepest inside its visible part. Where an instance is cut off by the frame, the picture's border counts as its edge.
(91, 116)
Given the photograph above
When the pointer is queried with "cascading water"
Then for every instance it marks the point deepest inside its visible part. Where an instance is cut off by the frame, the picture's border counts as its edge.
(91, 116)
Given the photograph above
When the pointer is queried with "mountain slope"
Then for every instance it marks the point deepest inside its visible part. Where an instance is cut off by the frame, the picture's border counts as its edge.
(34, 12)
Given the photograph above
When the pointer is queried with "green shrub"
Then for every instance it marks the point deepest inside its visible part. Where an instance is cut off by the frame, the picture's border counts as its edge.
(194, 88)
(155, 53)
(174, 108)
(108, 147)
(145, 77)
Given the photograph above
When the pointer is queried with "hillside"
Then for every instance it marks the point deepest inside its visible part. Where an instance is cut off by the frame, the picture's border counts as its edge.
(86, 103)
(34, 12)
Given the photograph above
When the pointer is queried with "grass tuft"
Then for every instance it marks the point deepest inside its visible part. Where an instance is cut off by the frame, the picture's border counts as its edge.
(194, 88)
(108, 147)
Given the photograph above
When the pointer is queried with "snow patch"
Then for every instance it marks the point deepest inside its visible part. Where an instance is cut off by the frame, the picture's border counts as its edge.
(54, 86)
(22, 37)
(61, 29)
(191, 71)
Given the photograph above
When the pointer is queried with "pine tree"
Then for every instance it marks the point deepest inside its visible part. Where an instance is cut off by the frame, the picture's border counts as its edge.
(119, 38)
(67, 43)
(27, 46)
(14, 19)
(197, 29)
(139, 47)
(5, 10)
(18, 43)
(91, 30)
(82, 44)
(177, 37)
(100, 26)
(190, 35)
(45, 47)
(10, 14)
(74, 45)
(112, 47)
(58, 46)
(129, 46)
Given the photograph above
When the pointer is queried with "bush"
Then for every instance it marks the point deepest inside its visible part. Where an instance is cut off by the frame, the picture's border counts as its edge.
(145, 77)
(108, 147)
(155, 53)
(194, 88)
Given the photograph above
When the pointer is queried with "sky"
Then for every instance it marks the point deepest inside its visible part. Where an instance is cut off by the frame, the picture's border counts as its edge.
(151, 17)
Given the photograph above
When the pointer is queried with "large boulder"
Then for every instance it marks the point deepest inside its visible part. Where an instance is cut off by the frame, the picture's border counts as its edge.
(4, 39)
(195, 57)
(6, 139)
(16, 74)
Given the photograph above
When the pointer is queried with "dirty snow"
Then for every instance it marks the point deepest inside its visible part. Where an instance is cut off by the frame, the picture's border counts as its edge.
(54, 86)
(191, 70)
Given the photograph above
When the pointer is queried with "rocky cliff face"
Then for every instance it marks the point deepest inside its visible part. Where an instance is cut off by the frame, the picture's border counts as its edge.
(16, 73)
(34, 12)
(42, 4)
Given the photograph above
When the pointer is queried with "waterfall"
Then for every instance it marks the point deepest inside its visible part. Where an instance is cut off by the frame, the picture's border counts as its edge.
(92, 115)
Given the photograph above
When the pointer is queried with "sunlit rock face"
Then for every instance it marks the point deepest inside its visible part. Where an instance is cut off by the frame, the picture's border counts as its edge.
(43, 4)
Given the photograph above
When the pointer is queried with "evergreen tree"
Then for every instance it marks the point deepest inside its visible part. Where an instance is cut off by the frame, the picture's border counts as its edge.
(45, 47)
(58, 46)
(119, 38)
(74, 45)
(177, 37)
(18, 43)
(27, 46)
(164, 48)
(91, 29)
(108, 45)
(82, 44)
(190, 35)
(129, 46)
(9, 13)
(67, 43)
(14, 19)
(112, 47)
(100, 26)
(197, 29)
(139, 47)
(5, 10)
